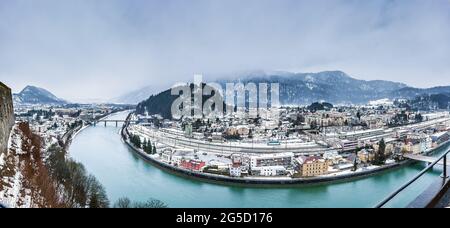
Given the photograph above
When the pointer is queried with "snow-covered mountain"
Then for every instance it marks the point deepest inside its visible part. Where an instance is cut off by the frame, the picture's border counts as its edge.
(36, 95)
(331, 86)
(305, 88)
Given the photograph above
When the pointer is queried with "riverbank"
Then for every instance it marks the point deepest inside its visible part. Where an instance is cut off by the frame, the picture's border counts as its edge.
(70, 135)
(261, 182)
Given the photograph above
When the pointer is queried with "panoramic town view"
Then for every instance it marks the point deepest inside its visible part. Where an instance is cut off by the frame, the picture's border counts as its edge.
(175, 104)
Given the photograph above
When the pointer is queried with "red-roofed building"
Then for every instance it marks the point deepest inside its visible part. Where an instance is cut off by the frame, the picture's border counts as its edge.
(195, 165)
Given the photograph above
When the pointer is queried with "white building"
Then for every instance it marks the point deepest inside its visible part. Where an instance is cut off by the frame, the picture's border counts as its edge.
(269, 171)
(166, 155)
(235, 171)
(265, 160)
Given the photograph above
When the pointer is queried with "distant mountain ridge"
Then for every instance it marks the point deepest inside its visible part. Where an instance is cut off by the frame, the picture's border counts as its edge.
(410, 92)
(331, 86)
(36, 95)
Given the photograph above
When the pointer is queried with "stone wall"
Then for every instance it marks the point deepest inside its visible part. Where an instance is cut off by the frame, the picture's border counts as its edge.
(6, 116)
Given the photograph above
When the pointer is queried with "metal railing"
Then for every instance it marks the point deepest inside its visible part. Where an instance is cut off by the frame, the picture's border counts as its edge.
(423, 172)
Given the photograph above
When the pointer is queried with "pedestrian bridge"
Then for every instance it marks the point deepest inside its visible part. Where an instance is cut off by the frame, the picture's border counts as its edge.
(422, 158)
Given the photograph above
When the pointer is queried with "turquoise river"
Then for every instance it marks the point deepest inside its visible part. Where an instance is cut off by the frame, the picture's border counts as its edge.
(125, 174)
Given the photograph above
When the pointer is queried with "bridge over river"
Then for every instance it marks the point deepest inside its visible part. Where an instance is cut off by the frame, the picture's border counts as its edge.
(422, 158)
(113, 121)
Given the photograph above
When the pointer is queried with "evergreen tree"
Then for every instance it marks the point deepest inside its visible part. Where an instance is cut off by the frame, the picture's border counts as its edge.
(419, 118)
(154, 149)
(380, 157)
(355, 162)
(145, 146)
(150, 146)
(138, 142)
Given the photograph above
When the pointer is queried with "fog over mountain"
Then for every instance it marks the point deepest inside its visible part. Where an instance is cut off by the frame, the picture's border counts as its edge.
(305, 88)
(330, 86)
(139, 95)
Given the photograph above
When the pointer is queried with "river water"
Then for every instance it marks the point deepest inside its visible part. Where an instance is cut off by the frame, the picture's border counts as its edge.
(124, 174)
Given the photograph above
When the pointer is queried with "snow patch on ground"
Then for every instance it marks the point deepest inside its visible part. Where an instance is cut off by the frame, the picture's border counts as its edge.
(16, 142)
(11, 196)
(2, 160)
(10, 137)
(12, 192)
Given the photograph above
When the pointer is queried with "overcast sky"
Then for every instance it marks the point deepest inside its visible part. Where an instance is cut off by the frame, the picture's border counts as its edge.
(89, 49)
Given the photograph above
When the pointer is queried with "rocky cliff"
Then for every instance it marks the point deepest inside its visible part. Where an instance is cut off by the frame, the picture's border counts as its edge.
(6, 116)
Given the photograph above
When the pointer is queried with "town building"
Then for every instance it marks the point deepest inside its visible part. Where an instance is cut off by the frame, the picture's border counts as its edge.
(312, 166)
(235, 170)
(348, 145)
(280, 159)
(389, 148)
(269, 171)
(366, 156)
(194, 165)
